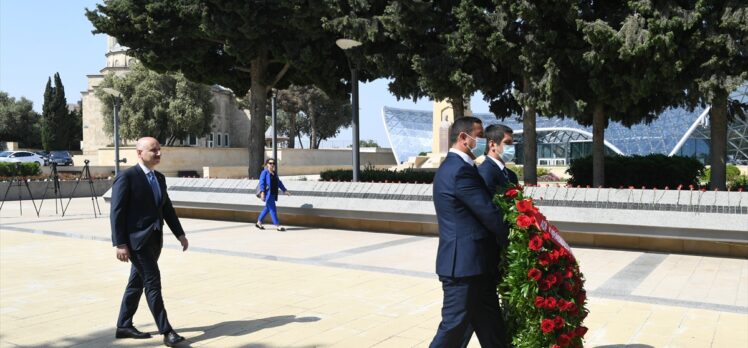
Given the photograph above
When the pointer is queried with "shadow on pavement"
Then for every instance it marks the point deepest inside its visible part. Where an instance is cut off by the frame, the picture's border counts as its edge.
(105, 337)
(241, 327)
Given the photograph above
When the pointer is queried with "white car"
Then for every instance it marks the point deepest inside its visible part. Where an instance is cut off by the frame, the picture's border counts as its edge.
(21, 156)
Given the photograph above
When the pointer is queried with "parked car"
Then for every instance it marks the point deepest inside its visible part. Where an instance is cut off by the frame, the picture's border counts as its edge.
(62, 158)
(21, 157)
(44, 155)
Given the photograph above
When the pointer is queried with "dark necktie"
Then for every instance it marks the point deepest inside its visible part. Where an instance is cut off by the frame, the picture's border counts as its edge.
(154, 187)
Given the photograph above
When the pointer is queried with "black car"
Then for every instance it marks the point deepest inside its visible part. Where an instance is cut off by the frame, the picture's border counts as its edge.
(62, 158)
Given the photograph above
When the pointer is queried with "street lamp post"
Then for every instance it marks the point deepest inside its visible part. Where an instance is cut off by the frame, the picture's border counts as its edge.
(273, 117)
(117, 97)
(347, 45)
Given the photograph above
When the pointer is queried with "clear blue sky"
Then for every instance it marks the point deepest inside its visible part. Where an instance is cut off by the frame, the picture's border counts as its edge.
(41, 37)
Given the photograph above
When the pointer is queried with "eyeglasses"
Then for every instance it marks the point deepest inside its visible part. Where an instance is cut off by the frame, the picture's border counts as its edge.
(271, 163)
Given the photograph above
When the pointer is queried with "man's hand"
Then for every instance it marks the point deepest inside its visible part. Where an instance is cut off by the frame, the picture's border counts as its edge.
(287, 193)
(184, 241)
(123, 253)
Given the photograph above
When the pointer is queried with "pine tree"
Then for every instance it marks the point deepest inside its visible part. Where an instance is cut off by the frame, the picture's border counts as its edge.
(55, 116)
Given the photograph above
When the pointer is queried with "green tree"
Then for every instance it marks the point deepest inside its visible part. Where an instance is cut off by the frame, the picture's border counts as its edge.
(57, 121)
(366, 143)
(315, 113)
(712, 37)
(628, 73)
(420, 45)
(165, 106)
(19, 122)
(246, 46)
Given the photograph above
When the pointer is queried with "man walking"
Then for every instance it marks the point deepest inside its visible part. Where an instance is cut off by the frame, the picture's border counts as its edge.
(139, 206)
(469, 227)
(500, 150)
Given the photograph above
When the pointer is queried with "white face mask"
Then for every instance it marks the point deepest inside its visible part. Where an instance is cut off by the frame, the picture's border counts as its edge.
(508, 154)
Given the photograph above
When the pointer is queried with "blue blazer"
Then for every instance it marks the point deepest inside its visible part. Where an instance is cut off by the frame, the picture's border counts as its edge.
(469, 223)
(265, 178)
(494, 178)
(134, 214)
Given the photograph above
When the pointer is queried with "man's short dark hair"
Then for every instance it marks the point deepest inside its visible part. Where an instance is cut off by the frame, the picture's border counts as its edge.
(496, 132)
(462, 125)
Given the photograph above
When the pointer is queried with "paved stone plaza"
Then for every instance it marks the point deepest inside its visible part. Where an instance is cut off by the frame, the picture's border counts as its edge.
(60, 285)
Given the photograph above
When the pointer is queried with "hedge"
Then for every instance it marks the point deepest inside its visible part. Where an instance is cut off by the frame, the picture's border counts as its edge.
(655, 170)
(26, 169)
(380, 175)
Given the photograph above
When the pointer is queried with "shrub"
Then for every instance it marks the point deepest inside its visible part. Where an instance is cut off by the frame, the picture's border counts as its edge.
(655, 170)
(25, 169)
(521, 173)
(732, 173)
(380, 175)
(740, 182)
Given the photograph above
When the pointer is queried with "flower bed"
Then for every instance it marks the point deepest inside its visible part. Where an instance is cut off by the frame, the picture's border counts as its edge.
(542, 290)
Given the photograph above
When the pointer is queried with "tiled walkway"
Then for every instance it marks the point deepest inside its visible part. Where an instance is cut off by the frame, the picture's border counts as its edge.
(60, 285)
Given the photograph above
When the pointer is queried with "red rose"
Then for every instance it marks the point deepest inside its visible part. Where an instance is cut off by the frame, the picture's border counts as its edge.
(580, 331)
(563, 340)
(535, 243)
(555, 346)
(562, 304)
(559, 322)
(524, 221)
(539, 302)
(524, 206)
(546, 235)
(547, 325)
(551, 279)
(534, 274)
(550, 302)
(554, 256)
(574, 312)
(568, 286)
(544, 259)
(545, 286)
(511, 193)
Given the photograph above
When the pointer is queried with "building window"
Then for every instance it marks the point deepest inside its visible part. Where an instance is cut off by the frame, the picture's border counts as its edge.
(192, 140)
(210, 140)
(226, 140)
(219, 140)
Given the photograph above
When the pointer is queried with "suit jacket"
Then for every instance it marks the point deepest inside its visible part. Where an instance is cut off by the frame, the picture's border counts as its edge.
(469, 223)
(134, 214)
(494, 178)
(265, 183)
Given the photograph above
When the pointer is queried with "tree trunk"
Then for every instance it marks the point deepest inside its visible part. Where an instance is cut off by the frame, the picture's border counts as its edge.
(291, 130)
(718, 146)
(598, 146)
(530, 141)
(313, 128)
(458, 106)
(301, 144)
(258, 106)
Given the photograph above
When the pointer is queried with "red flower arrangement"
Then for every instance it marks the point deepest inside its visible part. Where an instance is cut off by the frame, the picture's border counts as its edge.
(542, 289)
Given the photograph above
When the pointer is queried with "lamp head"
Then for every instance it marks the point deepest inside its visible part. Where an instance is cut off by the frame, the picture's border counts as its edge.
(113, 92)
(347, 44)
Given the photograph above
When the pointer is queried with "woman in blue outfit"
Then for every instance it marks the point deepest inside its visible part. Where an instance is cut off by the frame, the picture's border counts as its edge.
(269, 185)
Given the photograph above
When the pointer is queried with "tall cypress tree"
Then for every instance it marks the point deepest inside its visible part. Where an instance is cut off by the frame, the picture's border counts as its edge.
(55, 116)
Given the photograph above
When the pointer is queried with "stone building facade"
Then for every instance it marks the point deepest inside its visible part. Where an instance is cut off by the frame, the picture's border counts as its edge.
(230, 127)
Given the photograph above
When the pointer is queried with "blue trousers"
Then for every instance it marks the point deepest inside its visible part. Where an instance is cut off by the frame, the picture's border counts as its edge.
(470, 303)
(269, 208)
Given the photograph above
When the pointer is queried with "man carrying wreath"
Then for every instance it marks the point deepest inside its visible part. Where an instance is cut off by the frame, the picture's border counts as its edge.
(469, 227)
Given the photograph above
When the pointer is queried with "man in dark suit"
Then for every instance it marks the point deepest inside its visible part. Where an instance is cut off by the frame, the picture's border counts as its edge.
(469, 227)
(500, 150)
(139, 206)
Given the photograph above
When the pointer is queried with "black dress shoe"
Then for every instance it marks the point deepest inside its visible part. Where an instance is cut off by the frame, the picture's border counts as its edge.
(171, 338)
(131, 332)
